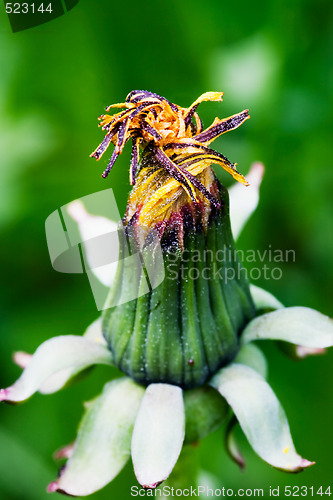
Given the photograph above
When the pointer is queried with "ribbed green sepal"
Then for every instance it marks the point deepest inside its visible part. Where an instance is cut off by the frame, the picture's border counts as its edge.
(185, 329)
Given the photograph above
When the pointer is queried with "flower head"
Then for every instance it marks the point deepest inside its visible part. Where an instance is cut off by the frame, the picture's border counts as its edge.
(177, 197)
(188, 346)
(178, 148)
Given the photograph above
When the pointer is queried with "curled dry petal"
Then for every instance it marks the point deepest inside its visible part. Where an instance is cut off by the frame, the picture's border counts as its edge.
(232, 446)
(177, 145)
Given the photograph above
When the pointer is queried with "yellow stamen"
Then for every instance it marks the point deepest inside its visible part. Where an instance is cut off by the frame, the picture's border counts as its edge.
(177, 147)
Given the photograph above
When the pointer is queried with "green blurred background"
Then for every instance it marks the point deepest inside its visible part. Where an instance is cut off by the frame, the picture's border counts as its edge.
(272, 57)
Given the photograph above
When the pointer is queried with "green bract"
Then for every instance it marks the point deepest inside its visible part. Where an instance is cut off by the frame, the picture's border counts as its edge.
(187, 327)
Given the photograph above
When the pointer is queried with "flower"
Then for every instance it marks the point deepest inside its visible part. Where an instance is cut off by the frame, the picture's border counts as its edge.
(176, 144)
(175, 392)
(178, 203)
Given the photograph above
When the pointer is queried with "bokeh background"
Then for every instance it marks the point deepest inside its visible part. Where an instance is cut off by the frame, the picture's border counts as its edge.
(272, 57)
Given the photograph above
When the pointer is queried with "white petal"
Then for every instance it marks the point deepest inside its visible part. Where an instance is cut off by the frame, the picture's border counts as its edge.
(22, 359)
(103, 444)
(64, 353)
(250, 355)
(158, 434)
(264, 300)
(298, 325)
(260, 415)
(92, 227)
(94, 332)
(59, 379)
(244, 200)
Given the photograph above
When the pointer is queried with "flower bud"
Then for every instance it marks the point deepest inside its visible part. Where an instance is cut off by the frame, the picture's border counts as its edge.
(183, 330)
